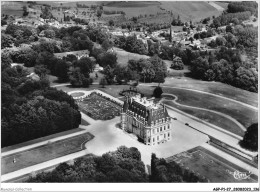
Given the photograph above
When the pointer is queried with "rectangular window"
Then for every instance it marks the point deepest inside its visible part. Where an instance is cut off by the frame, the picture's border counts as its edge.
(168, 134)
(164, 128)
(160, 128)
(168, 126)
(164, 135)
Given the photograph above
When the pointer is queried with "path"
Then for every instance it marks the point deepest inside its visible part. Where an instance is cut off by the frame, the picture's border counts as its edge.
(208, 129)
(203, 92)
(219, 113)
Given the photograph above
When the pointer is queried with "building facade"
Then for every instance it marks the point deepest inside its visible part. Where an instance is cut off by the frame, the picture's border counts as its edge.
(149, 121)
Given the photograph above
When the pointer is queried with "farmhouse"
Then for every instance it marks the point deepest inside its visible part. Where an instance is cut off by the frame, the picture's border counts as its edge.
(150, 122)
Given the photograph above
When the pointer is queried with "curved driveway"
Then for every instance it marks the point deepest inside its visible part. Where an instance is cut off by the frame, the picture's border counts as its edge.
(203, 92)
(219, 113)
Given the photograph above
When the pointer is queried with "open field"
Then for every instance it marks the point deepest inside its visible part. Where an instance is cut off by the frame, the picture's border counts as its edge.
(217, 88)
(210, 117)
(12, 8)
(46, 138)
(191, 10)
(123, 56)
(241, 113)
(211, 166)
(44, 153)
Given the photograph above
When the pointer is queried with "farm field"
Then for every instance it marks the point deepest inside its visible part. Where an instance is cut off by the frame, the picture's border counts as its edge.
(12, 8)
(210, 117)
(191, 10)
(44, 153)
(211, 166)
(242, 114)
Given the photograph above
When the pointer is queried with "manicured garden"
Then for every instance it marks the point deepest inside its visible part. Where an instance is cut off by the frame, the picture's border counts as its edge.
(44, 153)
(211, 166)
(99, 107)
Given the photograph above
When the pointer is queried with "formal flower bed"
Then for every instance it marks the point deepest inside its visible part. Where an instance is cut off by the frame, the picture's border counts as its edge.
(99, 107)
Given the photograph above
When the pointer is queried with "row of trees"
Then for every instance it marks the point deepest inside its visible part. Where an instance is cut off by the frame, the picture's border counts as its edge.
(123, 165)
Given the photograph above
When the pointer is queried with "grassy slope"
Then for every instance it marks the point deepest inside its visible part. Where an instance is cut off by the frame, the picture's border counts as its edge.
(244, 115)
(209, 117)
(216, 88)
(124, 56)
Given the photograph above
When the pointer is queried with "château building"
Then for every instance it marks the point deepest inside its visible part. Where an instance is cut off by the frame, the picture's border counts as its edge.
(149, 121)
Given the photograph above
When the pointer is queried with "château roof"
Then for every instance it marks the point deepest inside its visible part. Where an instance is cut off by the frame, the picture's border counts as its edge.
(146, 109)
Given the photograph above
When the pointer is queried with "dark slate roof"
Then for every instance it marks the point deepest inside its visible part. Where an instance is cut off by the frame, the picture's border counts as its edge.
(146, 112)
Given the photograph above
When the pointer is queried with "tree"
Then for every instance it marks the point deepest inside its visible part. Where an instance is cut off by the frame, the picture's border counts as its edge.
(25, 11)
(157, 92)
(61, 70)
(99, 13)
(111, 22)
(106, 45)
(220, 41)
(41, 71)
(177, 63)
(103, 82)
(250, 139)
(77, 79)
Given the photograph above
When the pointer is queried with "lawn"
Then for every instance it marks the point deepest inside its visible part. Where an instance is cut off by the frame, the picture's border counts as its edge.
(83, 122)
(44, 153)
(211, 166)
(215, 88)
(77, 94)
(242, 114)
(99, 107)
(210, 117)
(5, 149)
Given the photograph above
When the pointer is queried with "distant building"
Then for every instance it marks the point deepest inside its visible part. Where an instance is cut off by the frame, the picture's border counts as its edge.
(150, 122)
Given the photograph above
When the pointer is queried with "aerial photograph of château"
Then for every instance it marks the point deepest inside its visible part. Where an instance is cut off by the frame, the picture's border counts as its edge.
(129, 92)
